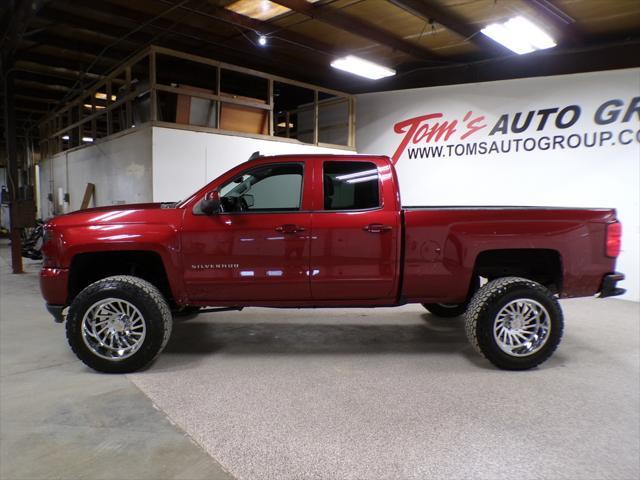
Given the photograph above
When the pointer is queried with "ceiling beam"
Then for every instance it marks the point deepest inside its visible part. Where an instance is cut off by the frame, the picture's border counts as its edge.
(302, 41)
(51, 39)
(237, 49)
(30, 98)
(431, 11)
(41, 86)
(70, 18)
(45, 96)
(553, 61)
(26, 107)
(67, 51)
(349, 23)
(20, 13)
(561, 22)
(165, 27)
(63, 60)
(56, 71)
(43, 78)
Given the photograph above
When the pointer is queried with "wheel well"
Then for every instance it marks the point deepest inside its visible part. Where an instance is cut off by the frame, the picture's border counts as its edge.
(87, 268)
(540, 265)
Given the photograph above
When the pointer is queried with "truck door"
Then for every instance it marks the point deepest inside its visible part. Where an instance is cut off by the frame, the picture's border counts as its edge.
(356, 232)
(257, 247)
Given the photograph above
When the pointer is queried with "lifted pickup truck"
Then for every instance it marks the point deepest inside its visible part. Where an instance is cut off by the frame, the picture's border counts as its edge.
(321, 231)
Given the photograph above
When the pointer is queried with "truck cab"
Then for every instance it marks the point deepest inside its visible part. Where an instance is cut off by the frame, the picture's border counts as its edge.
(295, 229)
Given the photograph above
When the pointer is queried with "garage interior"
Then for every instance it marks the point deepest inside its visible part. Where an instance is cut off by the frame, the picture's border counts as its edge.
(113, 102)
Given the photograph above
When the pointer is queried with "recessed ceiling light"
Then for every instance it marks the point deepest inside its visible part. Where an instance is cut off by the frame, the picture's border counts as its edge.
(65, 137)
(362, 67)
(262, 40)
(519, 35)
(87, 139)
(259, 9)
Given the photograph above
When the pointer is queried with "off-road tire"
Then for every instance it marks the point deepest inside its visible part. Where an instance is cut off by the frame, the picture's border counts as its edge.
(485, 306)
(145, 297)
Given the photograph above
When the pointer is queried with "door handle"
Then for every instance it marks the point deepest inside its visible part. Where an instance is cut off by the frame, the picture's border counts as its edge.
(377, 228)
(289, 228)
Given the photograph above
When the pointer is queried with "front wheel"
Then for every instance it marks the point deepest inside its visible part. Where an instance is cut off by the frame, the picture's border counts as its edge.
(118, 324)
(515, 323)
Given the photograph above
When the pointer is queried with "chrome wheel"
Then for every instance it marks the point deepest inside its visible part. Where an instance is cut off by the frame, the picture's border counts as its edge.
(113, 329)
(521, 327)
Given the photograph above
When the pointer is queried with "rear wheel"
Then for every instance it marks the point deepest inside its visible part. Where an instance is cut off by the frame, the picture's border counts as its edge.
(118, 324)
(515, 323)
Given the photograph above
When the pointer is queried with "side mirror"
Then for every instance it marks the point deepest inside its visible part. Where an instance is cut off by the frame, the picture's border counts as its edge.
(211, 203)
(248, 200)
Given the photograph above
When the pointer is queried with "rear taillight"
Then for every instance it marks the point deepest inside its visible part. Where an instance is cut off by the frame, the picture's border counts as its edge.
(614, 236)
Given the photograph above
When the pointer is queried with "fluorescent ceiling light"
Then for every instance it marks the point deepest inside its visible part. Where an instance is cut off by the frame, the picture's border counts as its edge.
(87, 139)
(65, 137)
(519, 35)
(103, 96)
(362, 67)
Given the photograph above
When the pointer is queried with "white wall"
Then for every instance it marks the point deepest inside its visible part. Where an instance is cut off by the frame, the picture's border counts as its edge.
(119, 167)
(123, 171)
(606, 175)
(184, 161)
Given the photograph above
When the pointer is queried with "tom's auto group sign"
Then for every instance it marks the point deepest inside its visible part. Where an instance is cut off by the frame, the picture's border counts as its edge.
(435, 135)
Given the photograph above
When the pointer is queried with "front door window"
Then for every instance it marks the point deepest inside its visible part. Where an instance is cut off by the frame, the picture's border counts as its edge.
(267, 188)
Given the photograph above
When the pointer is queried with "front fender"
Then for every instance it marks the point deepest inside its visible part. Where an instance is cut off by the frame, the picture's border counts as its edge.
(161, 239)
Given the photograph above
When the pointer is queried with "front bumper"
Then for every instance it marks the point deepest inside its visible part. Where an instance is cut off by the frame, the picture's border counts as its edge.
(609, 288)
(54, 284)
(56, 311)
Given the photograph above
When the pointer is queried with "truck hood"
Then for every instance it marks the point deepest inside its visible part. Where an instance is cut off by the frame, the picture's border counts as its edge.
(120, 214)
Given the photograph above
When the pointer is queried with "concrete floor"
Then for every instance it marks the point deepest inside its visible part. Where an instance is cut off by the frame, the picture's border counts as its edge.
(323, 394)
(59, 420)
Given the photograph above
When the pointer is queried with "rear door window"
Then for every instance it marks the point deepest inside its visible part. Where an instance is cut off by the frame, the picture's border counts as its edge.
(351, 186)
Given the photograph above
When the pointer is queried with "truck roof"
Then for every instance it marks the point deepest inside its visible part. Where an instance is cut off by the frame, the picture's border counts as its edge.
(317, 156)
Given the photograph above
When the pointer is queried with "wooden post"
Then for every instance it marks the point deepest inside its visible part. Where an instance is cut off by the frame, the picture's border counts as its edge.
(12, 160)
(88, 193)
(218, 103)
(352, 122)
(315, 118)
(272, 112)
(152, 85)
(128, 104)
(109, 111)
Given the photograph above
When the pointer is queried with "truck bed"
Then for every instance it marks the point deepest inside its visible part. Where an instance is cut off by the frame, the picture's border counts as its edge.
(443, 245)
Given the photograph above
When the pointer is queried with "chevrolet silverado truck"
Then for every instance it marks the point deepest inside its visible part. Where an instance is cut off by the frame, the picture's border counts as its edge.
(321, 231)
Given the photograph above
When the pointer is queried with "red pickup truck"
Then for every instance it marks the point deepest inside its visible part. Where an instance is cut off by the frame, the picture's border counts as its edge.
(321, 231)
